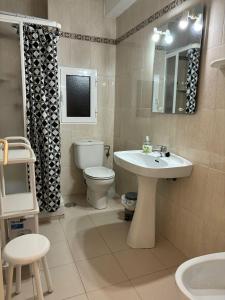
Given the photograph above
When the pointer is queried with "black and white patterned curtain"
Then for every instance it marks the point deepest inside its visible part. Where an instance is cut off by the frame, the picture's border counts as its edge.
(42, 106)
(193, 56)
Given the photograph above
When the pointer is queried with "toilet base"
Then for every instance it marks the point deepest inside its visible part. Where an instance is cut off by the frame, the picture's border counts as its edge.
(97, 200)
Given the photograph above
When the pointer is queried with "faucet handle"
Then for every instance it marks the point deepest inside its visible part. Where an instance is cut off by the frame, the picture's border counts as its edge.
(163, 149)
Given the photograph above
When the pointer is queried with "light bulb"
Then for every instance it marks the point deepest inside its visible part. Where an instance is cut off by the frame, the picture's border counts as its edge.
(156, 35)
(168, 37)
(183, 24)
(198, 24)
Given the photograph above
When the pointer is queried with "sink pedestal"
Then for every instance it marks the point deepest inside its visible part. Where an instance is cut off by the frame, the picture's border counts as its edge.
(142, 228)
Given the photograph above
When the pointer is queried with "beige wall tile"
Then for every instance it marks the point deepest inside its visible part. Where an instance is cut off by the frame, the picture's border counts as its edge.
(11, 111)
(192, 192)
(83, 17)
(220, 90)
(79, 15)
(217, 142)
(216, 22)
(184, 206)
(86, 17)
(58, 11)
(64, 52)
(103, 58)
(80, 54)
(214, 201)
(37, 8)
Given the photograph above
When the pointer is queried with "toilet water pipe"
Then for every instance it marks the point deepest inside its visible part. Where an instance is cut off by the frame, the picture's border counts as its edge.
(107, 148)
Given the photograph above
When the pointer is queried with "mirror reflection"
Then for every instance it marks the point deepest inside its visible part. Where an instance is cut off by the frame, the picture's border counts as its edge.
(177, 63)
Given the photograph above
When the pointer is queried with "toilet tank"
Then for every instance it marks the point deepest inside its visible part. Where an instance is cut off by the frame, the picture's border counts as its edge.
(88, 153)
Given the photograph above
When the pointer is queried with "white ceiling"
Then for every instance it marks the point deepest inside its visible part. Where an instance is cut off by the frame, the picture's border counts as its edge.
(114, 8)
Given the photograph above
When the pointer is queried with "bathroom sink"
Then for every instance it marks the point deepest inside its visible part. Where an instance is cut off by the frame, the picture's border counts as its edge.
(202, 278)
(152, 165)
(148, 168)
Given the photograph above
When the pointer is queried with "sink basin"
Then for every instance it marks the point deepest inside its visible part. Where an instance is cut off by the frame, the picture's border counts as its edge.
(152, 165)
(148, 168)
(203, 277)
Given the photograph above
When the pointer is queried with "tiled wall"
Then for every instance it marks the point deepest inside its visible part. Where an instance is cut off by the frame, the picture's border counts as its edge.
(87, 18)
(10, 82)
(36, 8)
(191, 211)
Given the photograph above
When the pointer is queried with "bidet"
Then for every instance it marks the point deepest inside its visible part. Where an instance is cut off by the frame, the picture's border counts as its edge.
(203, 277)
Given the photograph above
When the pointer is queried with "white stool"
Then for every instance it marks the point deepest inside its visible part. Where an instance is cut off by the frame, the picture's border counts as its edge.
(25, 250)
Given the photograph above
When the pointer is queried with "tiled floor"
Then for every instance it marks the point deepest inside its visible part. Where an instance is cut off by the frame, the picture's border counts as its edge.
(90, 260)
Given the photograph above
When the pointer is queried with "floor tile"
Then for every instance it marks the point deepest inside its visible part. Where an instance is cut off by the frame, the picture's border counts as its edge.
(100, 272)
(107, 217)
(120, 291)
(167, 254)
(87, 244)
(115, 203)
(138, 262)
(81, 207)
(66, 283)
(115, 235)
(80, 297)
(53, 231)
(59, 254)
(76, 224)
(27, 290)
(160, 286)
(87, 236)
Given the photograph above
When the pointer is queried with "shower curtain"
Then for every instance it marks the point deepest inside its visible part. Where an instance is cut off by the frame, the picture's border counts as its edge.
(42, 111)
(193, 56)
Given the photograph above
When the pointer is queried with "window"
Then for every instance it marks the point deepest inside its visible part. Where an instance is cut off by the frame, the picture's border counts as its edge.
(78, 95)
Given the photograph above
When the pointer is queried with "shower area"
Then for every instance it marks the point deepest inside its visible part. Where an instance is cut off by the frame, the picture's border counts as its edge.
(29, 101)
(11, 112)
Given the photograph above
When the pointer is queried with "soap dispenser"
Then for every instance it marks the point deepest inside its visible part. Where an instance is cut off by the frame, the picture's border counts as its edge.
(147, 147)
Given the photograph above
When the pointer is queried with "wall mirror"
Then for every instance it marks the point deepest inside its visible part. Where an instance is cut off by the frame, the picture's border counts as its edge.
(177, 63)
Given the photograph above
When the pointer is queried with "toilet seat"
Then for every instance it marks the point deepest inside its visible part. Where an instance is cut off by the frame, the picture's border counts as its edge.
(99, 173)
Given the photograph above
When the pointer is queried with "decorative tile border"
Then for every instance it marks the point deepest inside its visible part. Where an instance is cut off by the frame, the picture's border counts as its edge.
(152, 18)
(88, 38)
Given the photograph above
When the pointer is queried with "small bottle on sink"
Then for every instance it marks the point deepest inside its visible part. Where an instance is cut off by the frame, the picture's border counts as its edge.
(147, 147)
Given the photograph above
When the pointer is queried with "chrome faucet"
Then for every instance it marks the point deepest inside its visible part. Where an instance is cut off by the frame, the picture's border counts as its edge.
(161, 149)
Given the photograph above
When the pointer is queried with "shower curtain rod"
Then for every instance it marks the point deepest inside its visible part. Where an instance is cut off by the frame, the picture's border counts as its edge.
(18, 18)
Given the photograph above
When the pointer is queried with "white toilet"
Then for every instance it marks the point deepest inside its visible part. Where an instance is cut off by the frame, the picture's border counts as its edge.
(89, 156)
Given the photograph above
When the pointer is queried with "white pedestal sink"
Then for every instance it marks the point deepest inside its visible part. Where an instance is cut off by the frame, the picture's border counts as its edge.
(148, 168)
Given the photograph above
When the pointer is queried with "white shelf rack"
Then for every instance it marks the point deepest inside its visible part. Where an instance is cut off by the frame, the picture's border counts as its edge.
(16, 205)
(218, 63)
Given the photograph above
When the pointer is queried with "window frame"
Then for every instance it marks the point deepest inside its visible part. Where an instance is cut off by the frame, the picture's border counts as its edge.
(63, 71)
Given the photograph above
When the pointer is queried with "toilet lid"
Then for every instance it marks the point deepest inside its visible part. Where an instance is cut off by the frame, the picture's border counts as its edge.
(99, 173)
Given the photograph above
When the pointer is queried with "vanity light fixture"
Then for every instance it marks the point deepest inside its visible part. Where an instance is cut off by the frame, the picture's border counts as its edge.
(158, 33)
(184, 21)
(183, 24)
(198, 23)
(168, 37)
